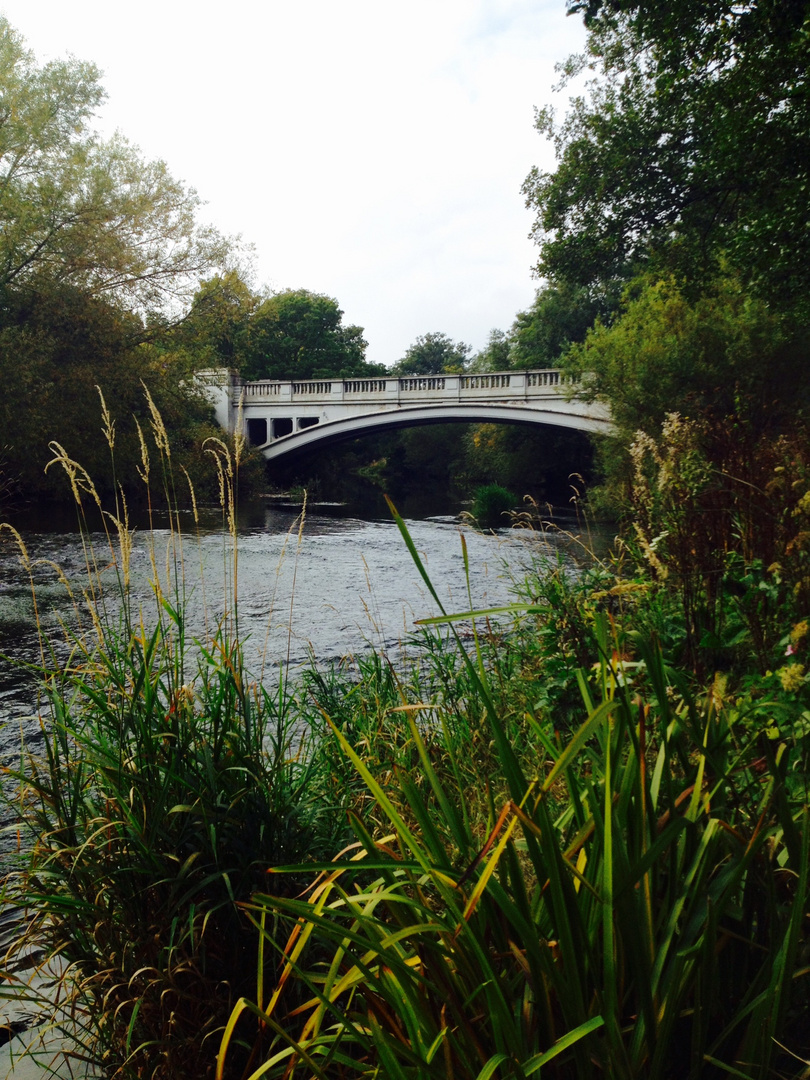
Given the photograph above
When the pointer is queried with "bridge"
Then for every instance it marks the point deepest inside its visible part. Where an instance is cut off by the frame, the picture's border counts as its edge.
(281, 418)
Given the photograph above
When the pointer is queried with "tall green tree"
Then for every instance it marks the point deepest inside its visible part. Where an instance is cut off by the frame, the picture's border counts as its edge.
(432, 354)
(83, 209)
(216, 330)
(560, 316)
(495, 354)
(690, 148)
(298, 334)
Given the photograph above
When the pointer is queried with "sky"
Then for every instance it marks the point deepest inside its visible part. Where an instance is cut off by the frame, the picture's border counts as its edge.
(367, 150)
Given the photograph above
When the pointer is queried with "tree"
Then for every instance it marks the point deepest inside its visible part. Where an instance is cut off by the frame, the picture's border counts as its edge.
(58, 347)
(432, 354)
(98, 250)
(692, 149)
(299, 334)
(495, 354)
(216, 329)
(87, 211)
(560, 316)
(723, 356)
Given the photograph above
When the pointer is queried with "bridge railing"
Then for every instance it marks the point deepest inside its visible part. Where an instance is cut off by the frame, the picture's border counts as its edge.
(393, 391)
(307, 389)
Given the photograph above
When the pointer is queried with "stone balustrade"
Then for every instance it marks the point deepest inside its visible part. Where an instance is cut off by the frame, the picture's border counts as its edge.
(514, 384)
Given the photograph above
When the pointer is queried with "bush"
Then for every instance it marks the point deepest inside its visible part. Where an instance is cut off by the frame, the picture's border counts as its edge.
(490, 503)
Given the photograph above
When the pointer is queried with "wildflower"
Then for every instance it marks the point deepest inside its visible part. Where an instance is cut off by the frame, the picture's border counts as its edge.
(799, 631)
(791, 677)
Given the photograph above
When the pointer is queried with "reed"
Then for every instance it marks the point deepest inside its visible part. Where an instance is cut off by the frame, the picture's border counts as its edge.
(636, 908)
(165, 785)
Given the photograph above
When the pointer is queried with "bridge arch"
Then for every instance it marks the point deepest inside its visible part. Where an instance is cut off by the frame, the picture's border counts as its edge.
(349, 427)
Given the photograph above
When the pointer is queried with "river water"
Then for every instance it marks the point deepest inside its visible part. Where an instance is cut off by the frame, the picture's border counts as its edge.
(322, 591)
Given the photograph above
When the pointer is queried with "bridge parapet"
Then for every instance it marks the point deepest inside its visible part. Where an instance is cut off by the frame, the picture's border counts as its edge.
(308, 389)
(516, 384)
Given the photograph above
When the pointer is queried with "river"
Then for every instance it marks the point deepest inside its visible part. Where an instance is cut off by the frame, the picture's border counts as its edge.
(339, 584)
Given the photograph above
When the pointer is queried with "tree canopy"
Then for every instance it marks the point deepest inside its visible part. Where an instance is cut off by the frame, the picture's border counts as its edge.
(83, 209)
(100, 250)
(298, 334)
(560, 315)
(432, 354)
(690, 150)
(722, 354)
(294, 334)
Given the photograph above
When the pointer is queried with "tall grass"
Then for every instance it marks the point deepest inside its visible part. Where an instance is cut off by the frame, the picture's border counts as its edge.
(636, 908)
(168, 783)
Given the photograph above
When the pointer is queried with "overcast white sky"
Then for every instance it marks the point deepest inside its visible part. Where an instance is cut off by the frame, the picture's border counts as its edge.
(369, 150)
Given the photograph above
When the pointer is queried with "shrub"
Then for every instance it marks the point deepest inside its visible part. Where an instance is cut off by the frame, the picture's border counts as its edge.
(490, 503)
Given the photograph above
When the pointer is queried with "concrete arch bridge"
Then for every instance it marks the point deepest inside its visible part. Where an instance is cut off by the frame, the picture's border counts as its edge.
(281, 418)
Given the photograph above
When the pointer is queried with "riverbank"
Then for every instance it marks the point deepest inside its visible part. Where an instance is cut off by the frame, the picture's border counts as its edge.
(528, 800)
(545, 834)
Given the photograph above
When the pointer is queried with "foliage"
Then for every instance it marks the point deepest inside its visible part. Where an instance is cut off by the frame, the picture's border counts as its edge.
(742, 576)
(495, 354)
(298, 334)
(491, 503)
(294, 334)
(433, 354)
(165, 784)
(567, 593)
(214, 332)
(568, 854)
(691, 146)
(725, 361)
(672, 478)
(560, 315)
(85, 211)
(719, 355)
(60, 347)
(98, 248)
(635, 906)
(536, 461)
